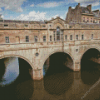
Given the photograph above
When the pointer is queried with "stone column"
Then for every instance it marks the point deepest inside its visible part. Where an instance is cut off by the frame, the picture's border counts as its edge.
(76, 66)
(37, 70)
(37, 74)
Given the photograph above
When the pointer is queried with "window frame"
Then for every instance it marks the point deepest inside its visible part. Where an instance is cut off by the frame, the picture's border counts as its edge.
(44, 38)
(27, 38)
(92, 36)
(50, 37)
(7, 39)
(35, 38)
(65, 37)
(71, 37)
(76, 37)
(82, 37)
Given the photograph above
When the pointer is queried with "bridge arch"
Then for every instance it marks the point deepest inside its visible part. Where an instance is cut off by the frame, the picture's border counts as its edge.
(95, 49)
(13, 55)
(58, 51)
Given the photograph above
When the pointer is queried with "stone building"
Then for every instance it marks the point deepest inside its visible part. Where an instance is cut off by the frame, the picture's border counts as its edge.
(83, 15)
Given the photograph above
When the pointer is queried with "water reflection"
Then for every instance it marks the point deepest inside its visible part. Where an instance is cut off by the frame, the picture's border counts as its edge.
(90, 73)
(59, 83)
(18, 90)
(58, 79)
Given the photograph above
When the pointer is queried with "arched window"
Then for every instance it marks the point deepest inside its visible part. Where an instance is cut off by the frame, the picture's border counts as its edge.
(58, 33)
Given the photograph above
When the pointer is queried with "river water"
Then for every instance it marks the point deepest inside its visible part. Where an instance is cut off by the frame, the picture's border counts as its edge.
(59, 83)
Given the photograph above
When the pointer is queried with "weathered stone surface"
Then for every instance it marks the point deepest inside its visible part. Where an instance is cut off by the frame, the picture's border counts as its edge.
(75, 48)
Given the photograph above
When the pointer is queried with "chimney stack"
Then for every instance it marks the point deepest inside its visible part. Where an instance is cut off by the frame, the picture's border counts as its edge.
(78, 4)
(89, 7)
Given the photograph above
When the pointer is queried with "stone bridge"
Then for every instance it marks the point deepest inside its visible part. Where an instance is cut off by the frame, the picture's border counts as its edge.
(36, 53)
(28, 53)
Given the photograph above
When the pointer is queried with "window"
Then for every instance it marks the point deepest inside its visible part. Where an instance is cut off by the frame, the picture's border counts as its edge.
(50, 38)
(5, 25)
(26, 25)
(70, 26)
(35, 38)
(70, 37)
(36, 54)
(83, 19)
(91, 19)
(7, 39)
(65, 37)
(87, 19)
(44, 38)
(27, 38)
(54, 35)
(76, 37)
(91, 36)
(58, 33)
(82, 37)
(43, 26)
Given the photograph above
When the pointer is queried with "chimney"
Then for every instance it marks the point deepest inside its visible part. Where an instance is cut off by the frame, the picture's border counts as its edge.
(89, 7)
(78, 4)
(70, 8)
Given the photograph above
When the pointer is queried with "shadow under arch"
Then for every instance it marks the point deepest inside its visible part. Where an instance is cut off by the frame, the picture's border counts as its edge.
(65, 57)
(25, 69)
(21, 88)
(90, 72)
(58, 78)
(56, 51)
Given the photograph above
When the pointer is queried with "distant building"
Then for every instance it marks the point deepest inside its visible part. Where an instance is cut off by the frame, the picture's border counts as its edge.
(83, 15)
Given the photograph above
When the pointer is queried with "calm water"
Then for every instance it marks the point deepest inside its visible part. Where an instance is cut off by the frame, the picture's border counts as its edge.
(59, 83)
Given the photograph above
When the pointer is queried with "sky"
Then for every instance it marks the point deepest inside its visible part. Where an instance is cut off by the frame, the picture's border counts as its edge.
(36, 10)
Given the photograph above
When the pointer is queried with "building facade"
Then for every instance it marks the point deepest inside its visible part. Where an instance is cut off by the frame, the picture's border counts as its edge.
(83, 15)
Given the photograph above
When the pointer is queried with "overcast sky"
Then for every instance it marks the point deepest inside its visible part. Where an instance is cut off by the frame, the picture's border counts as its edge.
(40, 9)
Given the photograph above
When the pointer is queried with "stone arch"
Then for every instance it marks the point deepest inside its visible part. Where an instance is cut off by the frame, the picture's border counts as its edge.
(87, 50)
(57, 24)
(95, 48)
(55, 51)
(13, 55)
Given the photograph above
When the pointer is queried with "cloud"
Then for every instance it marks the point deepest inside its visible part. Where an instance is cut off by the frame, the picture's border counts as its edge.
(32, 16)
(87, 2)
(14, 5)
(2, 16)
(55, 16)
(50, 4)
(32, 5)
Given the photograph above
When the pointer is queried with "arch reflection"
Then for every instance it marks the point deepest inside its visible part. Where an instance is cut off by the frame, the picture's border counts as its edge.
(58, 83)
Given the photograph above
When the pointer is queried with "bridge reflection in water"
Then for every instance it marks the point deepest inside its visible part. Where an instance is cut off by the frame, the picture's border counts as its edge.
(59, 83)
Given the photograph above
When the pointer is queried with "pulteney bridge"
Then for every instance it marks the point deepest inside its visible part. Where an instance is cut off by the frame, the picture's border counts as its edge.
(36, 41)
